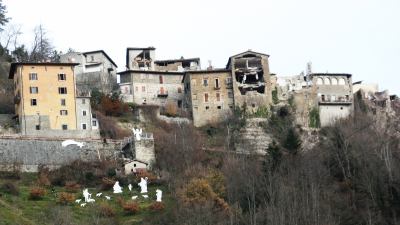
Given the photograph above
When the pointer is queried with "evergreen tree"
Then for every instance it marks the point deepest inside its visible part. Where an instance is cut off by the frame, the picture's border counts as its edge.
(292, 142)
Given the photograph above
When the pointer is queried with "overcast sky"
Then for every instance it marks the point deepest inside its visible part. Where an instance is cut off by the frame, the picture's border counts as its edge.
(361, 37)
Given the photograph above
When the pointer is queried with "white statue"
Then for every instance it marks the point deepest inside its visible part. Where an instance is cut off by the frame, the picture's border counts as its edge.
(117, 188)
(134, 197)
(71, 142)
(143, 185)
(86, 194)
(78, 201)
(159, 195)
(91, 200)
(130, 187)
(138, 133)
(145, 196)
(107, 197)
(98, 194)
(83, 204)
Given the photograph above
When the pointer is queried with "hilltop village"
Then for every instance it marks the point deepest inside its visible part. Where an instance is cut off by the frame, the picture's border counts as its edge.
(53, 103)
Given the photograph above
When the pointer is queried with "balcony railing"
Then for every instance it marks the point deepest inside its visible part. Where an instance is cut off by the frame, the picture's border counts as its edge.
(162, 94)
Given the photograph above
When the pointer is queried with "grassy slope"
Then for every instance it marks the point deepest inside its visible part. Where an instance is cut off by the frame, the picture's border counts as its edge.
(21, 210)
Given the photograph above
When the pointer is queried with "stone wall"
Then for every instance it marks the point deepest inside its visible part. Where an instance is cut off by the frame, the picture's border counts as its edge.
(144, 150)
(33, 152)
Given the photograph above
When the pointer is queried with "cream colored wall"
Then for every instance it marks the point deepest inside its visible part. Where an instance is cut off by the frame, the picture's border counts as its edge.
(48, 98)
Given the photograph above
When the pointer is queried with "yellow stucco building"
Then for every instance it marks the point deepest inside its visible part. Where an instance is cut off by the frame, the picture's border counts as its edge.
(45, 98)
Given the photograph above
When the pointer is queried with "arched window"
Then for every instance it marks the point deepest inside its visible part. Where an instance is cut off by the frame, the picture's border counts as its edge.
(320, 81)
(327, 81)
(334, 81)
(341, 81)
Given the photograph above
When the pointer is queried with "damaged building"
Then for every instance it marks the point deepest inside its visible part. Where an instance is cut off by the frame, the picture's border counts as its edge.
(95, 70)
(251, 79)
(154, 82)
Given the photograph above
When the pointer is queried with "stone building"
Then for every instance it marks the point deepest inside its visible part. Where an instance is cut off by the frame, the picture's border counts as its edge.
(154, 82)
(95, 70)
(208, 95)
(45, 100)
(251, 79)
(151, 87)
(334, 95)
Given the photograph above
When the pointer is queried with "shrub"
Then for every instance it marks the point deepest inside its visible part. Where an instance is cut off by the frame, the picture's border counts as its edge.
(106, 210)
(72, 186)
(107, 183)
(10, 188)
(157, 206)
(131, 207)
(171, 109)
(36, 193)
(111, 172)
(65, 198)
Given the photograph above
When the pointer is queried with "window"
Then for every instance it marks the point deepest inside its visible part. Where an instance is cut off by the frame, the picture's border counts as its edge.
(327, 81)
(229, 80)
(83, 112)
(347, 97)
(134, 165)
(341, 81)
(63, 102)
(205, 97)
(334, 81)
(205, 82)
(33, 90)
(137, 89)
(179, 90)
(94, 115)
(83, 101)
(194, 97)
(33, 102)
(143, 88)
(62, 90)
(83, 126)
(323, 98)
(230, 94)
(94, 123)
(33, 76)
(216, 83)
(161, 79)
(92, 58)
(62, 76)
(37, 127)
(218, 97)
(320, 81)
(207, 107)
(63, 112)
(219, 107)
(64, 127)
(179, 103)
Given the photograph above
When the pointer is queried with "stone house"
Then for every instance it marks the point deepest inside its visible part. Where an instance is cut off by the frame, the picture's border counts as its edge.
(147, 81)
(46, 100)
(95, 70)
(208, 95)
(134, 166)
(151, 87)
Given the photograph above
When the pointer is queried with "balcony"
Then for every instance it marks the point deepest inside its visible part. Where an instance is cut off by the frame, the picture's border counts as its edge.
(341, 101)
(162, 94)
(217, 87)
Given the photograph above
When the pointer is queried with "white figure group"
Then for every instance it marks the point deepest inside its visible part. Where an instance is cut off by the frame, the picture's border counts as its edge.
(118, 189)
(138, 133)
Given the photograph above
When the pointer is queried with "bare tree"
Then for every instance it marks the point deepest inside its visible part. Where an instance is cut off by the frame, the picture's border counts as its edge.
(42, 48)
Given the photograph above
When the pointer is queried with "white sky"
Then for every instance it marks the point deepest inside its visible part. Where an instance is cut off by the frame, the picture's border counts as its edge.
(361, 37)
